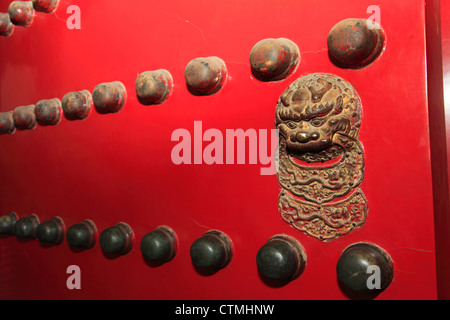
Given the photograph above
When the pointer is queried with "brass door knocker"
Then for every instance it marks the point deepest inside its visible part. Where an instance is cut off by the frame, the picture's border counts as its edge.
(318, 117)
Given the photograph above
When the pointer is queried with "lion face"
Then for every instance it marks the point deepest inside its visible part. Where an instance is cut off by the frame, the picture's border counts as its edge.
(312, 110)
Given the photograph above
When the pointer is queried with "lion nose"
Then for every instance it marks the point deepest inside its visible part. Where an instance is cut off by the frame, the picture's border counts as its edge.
(304, 137)
(315, 136)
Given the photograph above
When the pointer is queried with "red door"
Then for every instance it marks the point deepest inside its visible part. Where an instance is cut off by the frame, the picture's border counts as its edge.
(119, 167)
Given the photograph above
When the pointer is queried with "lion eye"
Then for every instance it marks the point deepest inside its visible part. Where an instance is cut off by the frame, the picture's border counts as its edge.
(317, 122)
(291, 124)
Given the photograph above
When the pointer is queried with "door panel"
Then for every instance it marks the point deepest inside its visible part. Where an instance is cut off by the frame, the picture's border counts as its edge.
(114, 168)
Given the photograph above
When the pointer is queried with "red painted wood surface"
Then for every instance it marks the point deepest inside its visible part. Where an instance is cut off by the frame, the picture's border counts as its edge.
(112, 168)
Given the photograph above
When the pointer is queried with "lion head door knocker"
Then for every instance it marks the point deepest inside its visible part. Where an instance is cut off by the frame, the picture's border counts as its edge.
(321, 161)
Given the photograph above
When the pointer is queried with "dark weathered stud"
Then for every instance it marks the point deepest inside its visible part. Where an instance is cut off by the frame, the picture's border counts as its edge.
(358, 263)
(212, 251)
(7, 123)
(46, 6)
(48, 112)
(6, 26)
(117, 239)
(281, 258)
(77, 105)
(274, 59)
(355, 43)
(154, 87)
(109, 97)
(24, 118)
(7, 223)
(25, 228)
(82, 235)
(160, 245)
(205, 76)
(21, 13)
(51, 231)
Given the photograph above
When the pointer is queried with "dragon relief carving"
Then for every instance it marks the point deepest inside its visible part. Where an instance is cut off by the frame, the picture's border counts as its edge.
(321, 161)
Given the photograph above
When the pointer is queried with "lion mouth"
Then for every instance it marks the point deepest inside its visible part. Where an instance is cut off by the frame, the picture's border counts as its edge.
(299, 148)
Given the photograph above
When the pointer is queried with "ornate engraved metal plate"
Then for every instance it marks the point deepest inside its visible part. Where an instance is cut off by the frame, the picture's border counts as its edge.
(318, 117)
